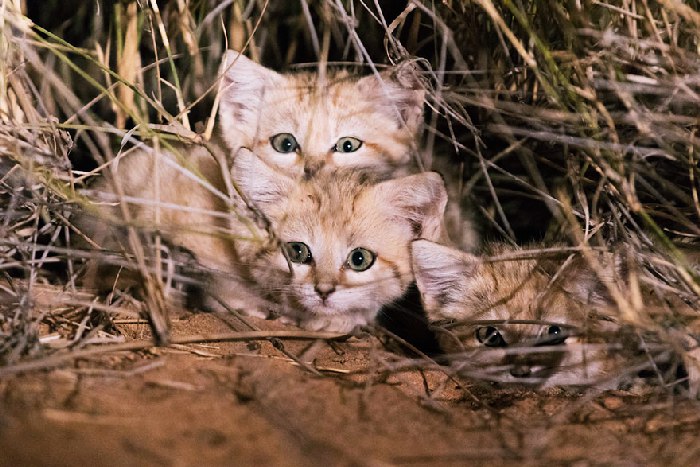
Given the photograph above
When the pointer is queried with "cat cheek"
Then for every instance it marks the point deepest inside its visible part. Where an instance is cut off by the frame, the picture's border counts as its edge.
(280, 262)
(304, 293)
(360, 158)
(284, 161)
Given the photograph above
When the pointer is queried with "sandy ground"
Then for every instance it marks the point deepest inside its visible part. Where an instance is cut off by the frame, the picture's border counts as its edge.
(249, 403)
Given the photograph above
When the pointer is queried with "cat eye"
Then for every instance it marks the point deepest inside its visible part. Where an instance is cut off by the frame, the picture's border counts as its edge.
(298, 252)
(555, 335)
(490, 337)
(360, 259)
(347, 144)
(284, 143)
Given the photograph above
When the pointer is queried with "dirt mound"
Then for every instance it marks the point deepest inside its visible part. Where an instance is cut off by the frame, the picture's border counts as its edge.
(301, 403)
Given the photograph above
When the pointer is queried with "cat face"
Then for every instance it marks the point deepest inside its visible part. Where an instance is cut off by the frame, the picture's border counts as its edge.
(300, 124)
(346, 239)
(514, 323)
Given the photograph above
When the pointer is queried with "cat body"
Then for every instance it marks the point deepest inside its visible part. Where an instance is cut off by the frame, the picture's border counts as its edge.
(341, 246)
(512, 320)
(183, 198)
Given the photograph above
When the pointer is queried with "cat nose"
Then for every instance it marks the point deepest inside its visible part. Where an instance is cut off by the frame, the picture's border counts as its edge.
(520, 371)
(311, 168)
(324, 289)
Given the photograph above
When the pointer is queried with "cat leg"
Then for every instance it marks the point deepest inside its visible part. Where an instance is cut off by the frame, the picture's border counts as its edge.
(225, 294)
(691, 361)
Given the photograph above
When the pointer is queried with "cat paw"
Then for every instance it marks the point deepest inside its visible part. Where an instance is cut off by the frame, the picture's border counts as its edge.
(343, 324)
(692, 367)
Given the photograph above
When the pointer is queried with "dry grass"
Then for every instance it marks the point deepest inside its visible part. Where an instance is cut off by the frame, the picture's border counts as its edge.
(574, 124)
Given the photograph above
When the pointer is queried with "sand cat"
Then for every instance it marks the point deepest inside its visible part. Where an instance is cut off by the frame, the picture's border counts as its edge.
(305, 121)
(509, 320)
(343, 238)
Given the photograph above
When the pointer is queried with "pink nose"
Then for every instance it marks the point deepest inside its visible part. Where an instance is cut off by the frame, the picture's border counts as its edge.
(520, 371)
(324, 290)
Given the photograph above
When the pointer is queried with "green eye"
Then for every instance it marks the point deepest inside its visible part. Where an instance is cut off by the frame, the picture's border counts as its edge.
(347, 144)
(490, 337)
(298, 252)
(284, 143)
(555, 336)
(360, 259)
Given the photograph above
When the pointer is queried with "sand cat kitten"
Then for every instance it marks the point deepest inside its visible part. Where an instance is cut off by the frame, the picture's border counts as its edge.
(346, 238)
(301, 122)
(512, 313)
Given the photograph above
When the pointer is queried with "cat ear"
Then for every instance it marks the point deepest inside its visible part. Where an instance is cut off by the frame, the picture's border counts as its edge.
(243, 85)
(399, 92)
(420, 199)
(587, 284)
(258, 182)
(441, 272)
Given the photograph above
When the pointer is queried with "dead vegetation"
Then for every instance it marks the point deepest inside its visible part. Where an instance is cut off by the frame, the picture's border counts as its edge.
(568, 123)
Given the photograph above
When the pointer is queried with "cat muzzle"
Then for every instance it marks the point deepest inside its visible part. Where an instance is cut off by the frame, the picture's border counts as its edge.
(324, 290)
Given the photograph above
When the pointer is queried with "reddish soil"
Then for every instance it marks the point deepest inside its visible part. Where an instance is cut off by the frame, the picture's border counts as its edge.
(248, 403)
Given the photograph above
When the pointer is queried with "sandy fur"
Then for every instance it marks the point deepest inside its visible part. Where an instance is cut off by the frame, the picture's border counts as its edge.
(461, 287)
(384, 112)
(332, 213)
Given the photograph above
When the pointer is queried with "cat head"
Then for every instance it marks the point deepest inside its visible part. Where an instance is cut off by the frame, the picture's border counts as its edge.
(299, 124)
(515, 309)
(345, 237)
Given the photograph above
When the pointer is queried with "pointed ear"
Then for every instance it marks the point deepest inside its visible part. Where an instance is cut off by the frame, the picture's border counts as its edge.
(399, 92)
(441, 272)
(587, 283)
(419, 199)
(258, 182)
(243, 86)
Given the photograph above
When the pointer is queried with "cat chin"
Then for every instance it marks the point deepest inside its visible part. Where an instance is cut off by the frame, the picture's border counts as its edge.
(317, 317)
(571, 366)
(341, 302)
(319, 310)
(345, 322)
(315, 307)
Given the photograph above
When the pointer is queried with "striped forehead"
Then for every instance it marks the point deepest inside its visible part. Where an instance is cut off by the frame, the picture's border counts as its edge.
(328, 206)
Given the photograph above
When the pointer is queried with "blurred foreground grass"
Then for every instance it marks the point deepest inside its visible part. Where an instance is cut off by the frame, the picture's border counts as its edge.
(573, 122)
